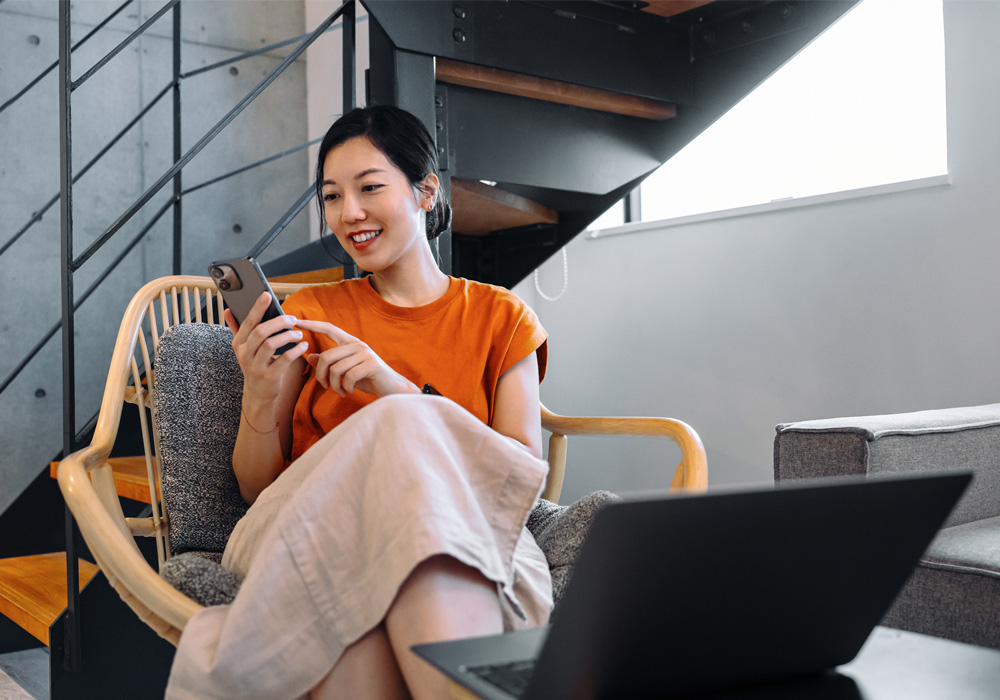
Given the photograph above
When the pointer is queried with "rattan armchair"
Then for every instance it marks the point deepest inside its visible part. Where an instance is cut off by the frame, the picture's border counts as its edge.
(87, 482)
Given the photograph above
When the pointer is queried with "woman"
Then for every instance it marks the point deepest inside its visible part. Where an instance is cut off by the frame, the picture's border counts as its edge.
(384, 517)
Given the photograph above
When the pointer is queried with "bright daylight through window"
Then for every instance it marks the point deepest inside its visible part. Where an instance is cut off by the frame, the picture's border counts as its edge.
(863, 105)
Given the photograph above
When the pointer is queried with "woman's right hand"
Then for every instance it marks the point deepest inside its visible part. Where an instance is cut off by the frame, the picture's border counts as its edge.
(271, 385)
(255, 343)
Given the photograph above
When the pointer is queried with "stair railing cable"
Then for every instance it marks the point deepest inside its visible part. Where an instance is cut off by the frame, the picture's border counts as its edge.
(204, 141)
(70, 264)
(55, 64)
(37, 216)
(257, 249)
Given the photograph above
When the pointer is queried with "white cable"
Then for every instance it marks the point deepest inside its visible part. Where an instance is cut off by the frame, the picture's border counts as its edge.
(558, 296)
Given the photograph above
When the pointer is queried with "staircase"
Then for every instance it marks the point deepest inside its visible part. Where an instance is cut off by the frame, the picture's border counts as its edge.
(546, 114)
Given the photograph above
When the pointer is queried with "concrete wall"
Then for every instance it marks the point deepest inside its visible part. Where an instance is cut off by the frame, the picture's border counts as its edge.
(867, 306)
(223, 220)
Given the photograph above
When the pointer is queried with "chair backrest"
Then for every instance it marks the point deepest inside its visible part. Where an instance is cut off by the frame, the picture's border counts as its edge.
(197, 393)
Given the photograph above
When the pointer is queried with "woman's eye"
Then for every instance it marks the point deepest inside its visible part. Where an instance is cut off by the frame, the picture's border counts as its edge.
(370, 188)
(330, 196)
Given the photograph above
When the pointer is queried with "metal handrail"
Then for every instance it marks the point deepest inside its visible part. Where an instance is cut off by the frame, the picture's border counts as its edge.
(286, 219)
(55, 64)
(83, 297)
(123, 45)
(265, 161)
(205, 140)
(37, 216)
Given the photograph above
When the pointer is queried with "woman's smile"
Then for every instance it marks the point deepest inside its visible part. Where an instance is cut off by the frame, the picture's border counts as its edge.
(363, 239)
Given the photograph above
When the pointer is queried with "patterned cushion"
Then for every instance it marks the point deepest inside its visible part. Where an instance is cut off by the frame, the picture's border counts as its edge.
(198, 387)
(560, 531)
(201, 577)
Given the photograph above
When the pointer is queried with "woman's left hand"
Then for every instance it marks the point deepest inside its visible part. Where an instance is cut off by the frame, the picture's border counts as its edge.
(353, 365)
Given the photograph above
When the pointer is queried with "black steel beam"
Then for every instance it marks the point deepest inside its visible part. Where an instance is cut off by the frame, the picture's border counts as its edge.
(71, 658)
(634, 53)
(406, 79)
(178, 183)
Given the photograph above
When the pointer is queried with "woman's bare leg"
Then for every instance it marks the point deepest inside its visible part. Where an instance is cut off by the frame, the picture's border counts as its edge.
(441, 599)
(366, 669)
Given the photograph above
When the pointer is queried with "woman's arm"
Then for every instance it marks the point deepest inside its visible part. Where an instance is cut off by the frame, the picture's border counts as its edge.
(516, 411)
(271, 385)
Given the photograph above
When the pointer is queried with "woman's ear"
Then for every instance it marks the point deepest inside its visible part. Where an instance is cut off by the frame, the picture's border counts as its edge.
(429, 188)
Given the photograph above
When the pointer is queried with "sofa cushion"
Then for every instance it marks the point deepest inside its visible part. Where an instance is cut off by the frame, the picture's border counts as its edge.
(198, 387)
(955, 590)
(940, 440)
(972, 548)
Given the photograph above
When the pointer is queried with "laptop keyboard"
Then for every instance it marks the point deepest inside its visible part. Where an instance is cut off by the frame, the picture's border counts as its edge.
(511, 677)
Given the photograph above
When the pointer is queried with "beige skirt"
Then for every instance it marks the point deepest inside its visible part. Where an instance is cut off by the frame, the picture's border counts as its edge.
(326, 547)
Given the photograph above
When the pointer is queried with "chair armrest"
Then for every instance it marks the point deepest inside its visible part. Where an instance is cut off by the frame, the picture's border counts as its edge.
(154, 600)
(691, 473)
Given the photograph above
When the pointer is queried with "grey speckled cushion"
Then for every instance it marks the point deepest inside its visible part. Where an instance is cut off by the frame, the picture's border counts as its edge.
(198, 387)
(201, 577)
(560, 531)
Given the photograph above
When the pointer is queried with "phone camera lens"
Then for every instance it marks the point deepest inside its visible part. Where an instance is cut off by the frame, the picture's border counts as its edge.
(217, 273)
(224, 285)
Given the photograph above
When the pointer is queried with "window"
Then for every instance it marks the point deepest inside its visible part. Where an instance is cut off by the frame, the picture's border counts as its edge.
(862, 106)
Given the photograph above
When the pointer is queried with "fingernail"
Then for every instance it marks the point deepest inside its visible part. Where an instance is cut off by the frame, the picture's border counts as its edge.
(293, 319)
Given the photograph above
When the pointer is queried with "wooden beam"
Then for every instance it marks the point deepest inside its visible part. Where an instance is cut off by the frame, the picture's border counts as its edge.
(669, 8)
(478, 209)
(482, 78)
(330, 274)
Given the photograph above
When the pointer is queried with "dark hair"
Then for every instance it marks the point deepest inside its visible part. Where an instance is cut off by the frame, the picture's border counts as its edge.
(403, 139)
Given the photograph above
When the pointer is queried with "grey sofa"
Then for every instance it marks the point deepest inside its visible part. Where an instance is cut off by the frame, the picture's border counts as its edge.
(955, 590)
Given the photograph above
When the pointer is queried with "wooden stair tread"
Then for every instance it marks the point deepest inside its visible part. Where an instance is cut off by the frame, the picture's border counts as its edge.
(478, 208)
(33, 590)
(509, 83)
(131, 480)
(330, 274)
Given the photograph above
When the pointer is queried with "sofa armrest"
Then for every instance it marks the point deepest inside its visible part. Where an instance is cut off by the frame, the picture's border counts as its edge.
(938, 440)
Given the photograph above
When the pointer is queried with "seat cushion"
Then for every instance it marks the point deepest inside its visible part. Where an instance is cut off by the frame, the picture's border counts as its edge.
(955, 590)
(560, 531)
(198, 387)
(201, 577)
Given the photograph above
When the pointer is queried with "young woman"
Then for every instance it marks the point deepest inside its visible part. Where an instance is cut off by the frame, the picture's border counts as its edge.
(382, 517)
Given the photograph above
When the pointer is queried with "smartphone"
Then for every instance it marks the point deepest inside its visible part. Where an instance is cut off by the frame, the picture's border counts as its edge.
(241, 283)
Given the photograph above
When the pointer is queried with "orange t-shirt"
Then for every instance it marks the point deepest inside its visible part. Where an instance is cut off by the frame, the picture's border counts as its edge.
(460, 344)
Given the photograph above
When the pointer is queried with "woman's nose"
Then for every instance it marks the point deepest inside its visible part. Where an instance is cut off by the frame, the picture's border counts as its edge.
(351, 209)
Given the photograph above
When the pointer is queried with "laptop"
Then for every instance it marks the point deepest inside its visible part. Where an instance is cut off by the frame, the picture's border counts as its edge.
(679, 594)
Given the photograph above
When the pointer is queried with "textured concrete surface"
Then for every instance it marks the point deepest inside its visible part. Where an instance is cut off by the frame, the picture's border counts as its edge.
(222, 220)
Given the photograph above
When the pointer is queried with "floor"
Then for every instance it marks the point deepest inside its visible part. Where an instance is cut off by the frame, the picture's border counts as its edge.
(24, 675)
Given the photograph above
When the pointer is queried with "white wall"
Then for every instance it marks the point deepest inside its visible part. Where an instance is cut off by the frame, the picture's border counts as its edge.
(876, 305)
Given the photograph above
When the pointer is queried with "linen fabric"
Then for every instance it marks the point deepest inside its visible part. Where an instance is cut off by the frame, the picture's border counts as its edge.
(460, 344)
(325, 548)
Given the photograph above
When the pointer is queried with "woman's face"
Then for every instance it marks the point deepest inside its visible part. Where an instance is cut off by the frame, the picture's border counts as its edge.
(371, 207)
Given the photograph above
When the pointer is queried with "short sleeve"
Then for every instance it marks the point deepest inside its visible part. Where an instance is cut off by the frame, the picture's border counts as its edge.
(525, 334)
